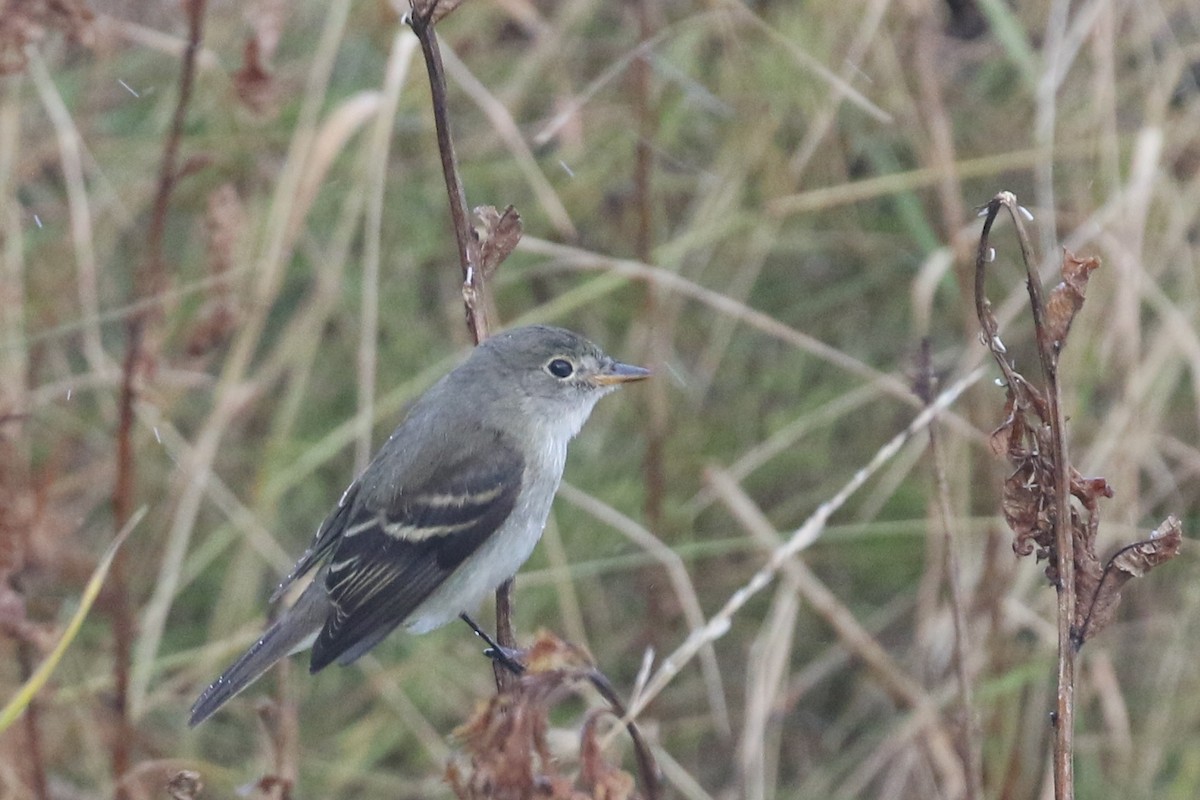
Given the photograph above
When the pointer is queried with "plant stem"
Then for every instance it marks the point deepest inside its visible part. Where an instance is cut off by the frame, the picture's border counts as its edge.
(1064, 713)
(474, 287)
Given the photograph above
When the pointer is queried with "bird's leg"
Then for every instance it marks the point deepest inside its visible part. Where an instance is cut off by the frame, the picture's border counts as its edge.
(507, 657)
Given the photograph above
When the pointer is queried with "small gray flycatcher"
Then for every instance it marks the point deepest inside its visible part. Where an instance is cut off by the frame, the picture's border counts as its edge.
(450, 507)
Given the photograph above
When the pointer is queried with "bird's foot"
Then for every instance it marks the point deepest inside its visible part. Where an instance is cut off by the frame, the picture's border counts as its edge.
(507, 657)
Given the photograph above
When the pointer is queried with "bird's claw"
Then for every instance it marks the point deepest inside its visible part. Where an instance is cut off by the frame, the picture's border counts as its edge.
(507, 657)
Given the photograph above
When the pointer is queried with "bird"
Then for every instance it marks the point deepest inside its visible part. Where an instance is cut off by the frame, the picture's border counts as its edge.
(450, 506)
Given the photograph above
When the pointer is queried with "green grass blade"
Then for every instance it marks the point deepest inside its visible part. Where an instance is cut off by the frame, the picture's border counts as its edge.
(21, 700)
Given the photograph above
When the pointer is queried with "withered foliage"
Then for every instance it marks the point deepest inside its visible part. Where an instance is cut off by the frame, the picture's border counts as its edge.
(1028, 500)
(25, 22)
(1131, 561)
(1027, 438)
(506, 753)
(1067, 298)
(498, 235)
(433, 11)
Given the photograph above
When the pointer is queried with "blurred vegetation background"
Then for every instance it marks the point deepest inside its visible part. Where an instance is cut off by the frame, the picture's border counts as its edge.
(770, 203)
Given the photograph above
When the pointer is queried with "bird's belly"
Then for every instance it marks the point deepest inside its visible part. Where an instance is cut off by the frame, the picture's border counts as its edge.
(496, 560)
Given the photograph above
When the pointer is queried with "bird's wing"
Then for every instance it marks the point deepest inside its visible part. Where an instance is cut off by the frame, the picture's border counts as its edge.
(323, 543)
(394, 553)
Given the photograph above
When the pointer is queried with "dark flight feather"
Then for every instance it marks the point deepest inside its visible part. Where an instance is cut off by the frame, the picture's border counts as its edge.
(389, 560)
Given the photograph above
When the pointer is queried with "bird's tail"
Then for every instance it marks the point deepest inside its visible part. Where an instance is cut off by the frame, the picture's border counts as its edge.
(293, 631)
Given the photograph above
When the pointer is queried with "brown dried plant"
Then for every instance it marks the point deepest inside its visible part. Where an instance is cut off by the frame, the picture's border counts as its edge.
(1053, 510)
(1026, 438)
(507, 754)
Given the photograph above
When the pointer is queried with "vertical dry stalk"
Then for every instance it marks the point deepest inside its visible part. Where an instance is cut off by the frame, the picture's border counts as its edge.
(970, 736)
(281, 732)
(1064, 715)
(475, 301)
(150, 281)
(151, 278)
(121, 732)
(1038, 493)
(474, 289)
(643, 241)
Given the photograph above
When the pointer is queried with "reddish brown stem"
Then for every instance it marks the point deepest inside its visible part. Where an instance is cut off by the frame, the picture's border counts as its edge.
(474, 287)
(118, 586)
(149, 282)
(151, 278)
(468, 247)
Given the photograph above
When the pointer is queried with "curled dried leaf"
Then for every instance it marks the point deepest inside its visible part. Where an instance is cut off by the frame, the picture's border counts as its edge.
(1067, 297)
(1026, 438)
(1131, 561)
(1023, 505)
(498, 235)
(1007, 435)
(434, 10)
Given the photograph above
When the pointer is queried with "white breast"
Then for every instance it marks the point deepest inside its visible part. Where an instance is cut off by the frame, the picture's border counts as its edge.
(499, 558)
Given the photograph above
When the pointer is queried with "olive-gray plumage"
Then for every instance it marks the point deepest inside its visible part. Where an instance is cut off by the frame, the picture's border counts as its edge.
(450, 507)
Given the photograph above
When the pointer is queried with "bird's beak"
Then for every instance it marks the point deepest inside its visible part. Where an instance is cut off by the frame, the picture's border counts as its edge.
(616, 373)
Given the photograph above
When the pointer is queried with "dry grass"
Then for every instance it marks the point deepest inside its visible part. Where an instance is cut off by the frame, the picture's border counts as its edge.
(773, 202)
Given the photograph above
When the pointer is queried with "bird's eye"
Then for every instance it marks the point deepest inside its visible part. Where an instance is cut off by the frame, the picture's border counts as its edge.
(560, 368)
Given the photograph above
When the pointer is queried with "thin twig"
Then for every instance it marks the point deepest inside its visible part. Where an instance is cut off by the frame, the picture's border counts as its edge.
(1064, 721)
(150, 280)
(464, 235)
(647, 768)
(474, 289)
(970, 739)
(118, 589)
(152, 275)
(281, 727)
(505, 635)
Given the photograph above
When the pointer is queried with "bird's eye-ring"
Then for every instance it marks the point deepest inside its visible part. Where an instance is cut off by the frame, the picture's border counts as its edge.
(560, 368)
